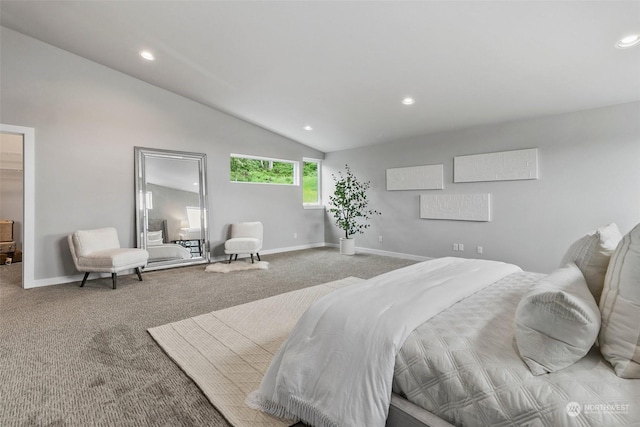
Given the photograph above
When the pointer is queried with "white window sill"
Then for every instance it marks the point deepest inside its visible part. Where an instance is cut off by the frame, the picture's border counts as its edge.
(313, 206)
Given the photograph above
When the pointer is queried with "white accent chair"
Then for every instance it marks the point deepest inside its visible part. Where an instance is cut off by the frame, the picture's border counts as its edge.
(246, 238)
(99, 251)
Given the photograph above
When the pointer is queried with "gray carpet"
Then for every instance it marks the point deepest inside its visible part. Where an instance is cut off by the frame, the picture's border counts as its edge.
(73, 356)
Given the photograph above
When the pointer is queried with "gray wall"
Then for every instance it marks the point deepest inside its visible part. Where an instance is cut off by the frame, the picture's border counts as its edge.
(589, 165)
(88, 118)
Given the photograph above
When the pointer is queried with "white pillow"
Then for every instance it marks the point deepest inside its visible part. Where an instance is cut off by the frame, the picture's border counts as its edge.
(620, 306)
(591, 254)
(154, 238)
(557, 321)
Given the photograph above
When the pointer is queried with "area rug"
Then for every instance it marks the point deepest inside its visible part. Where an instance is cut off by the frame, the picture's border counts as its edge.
(227, 352)
(225, 267)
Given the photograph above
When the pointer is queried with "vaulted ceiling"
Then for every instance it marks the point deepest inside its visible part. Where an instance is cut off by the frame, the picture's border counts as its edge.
(343, 67)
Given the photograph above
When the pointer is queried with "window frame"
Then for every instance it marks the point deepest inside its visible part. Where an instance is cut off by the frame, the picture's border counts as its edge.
(318, 203)
(295, 173)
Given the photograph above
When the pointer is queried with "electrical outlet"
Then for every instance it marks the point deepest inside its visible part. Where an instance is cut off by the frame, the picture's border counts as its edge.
(479, 250)
(380, 239)
(461, 247)
(455, 247)
(295, 235)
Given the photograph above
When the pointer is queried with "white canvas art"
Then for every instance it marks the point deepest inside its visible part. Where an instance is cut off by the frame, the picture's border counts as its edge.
(429, 177)
(458, 207)
(502, 166)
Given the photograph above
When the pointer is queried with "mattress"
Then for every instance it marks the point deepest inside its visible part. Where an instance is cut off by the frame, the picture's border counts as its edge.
(463, 366)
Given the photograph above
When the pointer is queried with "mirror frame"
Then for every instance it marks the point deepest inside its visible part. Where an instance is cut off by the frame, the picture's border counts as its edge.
(141, 156)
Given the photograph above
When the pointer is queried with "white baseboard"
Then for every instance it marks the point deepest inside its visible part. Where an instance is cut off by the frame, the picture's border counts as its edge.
(78, 277)
(272, 251)
(64, 279)
(294, 248)
(384, 253)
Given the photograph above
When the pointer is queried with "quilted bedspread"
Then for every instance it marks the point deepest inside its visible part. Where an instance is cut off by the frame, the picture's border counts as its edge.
(463, 366)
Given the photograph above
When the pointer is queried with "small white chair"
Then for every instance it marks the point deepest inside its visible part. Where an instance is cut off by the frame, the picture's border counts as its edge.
(246, 238)
(99, 251)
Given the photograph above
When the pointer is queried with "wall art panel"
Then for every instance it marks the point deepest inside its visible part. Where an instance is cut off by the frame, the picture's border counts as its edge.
(459, 207)
(502, 166)
(429, 177)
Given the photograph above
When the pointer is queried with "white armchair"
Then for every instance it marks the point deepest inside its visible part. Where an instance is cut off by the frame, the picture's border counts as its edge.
(246, 238)
(99, 251)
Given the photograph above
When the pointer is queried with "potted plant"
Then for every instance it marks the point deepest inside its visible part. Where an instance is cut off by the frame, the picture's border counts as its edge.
(348, 205)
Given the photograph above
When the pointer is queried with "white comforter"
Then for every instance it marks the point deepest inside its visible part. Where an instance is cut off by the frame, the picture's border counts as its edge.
(336, 367)
(462, 365)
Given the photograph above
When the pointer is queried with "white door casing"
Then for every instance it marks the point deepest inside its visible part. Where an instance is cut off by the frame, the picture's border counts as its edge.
(28, 225)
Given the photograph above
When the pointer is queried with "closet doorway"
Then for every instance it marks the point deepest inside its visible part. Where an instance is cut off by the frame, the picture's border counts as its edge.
(17, 202)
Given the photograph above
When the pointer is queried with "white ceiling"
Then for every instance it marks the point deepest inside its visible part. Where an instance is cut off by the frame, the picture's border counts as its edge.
(344, 66)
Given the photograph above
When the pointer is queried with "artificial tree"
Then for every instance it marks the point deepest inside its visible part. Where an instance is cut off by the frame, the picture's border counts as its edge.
(348, 205)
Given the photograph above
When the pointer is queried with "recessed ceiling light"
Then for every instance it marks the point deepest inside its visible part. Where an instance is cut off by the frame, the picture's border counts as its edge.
(629, 41)
(147, 55)
(307, 127)
(408, 101)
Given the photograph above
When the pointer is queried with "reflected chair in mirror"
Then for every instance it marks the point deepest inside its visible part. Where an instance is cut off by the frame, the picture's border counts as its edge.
(246, 238)
(99, 251)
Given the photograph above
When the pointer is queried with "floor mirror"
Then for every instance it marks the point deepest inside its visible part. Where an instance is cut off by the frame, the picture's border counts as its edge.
(171, 207)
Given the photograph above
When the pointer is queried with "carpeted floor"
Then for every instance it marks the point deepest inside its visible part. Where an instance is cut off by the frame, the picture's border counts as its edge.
(73, 356)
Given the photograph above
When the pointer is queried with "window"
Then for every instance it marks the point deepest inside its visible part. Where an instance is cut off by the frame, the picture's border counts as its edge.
(263, 170)
(311, 179)
(149, 199)
(193, 217)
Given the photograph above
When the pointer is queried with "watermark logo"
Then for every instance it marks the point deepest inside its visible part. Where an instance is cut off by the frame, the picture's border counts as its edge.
(605, 408)
(573, 409)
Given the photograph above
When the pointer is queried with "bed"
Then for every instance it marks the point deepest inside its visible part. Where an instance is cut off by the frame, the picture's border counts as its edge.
(463, 366)
(158, 246)
(471, 364)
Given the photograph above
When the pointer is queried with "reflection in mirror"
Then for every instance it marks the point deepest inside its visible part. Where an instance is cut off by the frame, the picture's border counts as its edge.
(171, 214)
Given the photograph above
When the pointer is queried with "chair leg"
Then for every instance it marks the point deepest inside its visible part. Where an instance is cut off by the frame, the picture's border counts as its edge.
(230, 258)
(251, 258)
(236, 257)
(139, 273)
(114, 278)
(84, 280)
(258, 255)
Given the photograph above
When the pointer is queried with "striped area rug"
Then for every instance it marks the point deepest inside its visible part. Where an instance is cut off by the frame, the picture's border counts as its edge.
(227, 352)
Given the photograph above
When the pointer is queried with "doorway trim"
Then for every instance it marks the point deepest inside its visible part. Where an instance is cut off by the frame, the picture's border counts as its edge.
(28, 225)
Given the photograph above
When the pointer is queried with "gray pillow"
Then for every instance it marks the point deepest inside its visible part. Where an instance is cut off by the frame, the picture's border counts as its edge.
(557, 321)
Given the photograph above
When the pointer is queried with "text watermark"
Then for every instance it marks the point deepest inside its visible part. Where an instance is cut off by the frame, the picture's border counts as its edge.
(574, 408)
